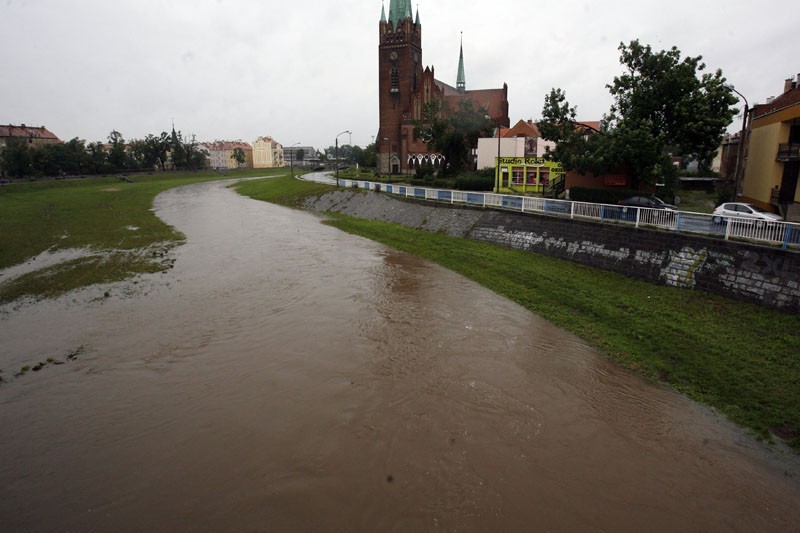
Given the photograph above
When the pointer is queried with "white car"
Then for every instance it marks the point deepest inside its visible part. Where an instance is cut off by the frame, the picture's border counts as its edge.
(741, 210)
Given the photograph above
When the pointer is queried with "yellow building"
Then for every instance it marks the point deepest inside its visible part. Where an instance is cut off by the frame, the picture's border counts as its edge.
(773, 152)
(528, 176)
(267, 153)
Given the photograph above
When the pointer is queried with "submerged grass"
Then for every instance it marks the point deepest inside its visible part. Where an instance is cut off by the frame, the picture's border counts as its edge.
(110, 215)
(282, 190)
(742, 359)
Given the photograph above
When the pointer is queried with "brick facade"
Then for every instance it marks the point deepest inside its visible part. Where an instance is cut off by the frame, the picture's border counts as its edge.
(404, 87)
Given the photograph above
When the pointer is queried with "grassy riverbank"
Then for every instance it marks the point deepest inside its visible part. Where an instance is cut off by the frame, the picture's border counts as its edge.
(742, 359)
(110, 218)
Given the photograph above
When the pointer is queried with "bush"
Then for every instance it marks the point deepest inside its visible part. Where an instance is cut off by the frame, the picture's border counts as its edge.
(482, 180)
(600, 196)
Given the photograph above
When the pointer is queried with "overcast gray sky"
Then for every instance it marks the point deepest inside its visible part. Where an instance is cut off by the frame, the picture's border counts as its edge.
(303, 71)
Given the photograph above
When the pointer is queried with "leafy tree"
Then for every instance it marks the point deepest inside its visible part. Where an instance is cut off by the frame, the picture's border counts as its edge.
(97, 158)
(663, 106)
(16, 158)
(365, 157)
(299, 154)
(195, 157)
(117, 158)
(452, 134)
(177, 151)
(239, 156)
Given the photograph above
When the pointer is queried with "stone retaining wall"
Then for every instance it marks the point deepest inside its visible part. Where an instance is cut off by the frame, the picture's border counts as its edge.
(758, 274)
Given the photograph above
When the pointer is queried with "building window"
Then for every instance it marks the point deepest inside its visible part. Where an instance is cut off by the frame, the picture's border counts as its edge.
(395, 76)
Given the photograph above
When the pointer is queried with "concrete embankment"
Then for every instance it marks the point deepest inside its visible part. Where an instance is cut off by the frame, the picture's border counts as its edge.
(762, 275)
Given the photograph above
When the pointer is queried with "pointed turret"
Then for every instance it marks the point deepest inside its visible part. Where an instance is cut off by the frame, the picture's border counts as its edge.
(461, 82)
(399, 10)
(416, 21)
(383, 13)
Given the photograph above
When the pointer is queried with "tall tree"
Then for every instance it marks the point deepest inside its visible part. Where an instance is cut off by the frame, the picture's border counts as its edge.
(663, 106)
(117, 158)
(16, 158)
(239, 156)
(452, 133)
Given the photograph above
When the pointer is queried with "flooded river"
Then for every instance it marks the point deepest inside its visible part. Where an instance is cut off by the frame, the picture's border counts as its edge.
(286, 376)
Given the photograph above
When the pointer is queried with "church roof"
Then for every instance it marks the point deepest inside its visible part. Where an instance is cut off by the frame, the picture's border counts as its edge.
(400, 10)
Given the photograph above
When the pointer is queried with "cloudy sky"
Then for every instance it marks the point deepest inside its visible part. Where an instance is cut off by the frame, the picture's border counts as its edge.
(305, 70)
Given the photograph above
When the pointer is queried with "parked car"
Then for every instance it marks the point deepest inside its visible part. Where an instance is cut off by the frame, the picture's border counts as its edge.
(742, 210)
(652, 202)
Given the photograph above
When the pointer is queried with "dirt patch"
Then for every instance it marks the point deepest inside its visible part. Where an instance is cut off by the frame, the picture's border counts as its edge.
(110, 189)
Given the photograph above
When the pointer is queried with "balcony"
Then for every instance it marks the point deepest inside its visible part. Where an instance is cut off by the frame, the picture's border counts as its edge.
(788, 152)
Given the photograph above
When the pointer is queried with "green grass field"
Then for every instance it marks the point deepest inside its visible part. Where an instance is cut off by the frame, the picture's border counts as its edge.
(742, 359)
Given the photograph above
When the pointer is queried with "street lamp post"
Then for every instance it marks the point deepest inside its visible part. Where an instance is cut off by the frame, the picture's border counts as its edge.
(337, 154)
(291, 157)
(499, 174)
(737, 174)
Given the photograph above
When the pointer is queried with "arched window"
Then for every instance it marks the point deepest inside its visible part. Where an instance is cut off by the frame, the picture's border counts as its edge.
(395, 76)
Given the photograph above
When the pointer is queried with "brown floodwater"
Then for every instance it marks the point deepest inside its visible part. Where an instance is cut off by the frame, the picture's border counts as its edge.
(287, 376)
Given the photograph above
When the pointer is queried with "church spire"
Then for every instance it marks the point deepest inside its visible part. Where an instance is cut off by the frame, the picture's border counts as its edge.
(383, 13)
(399, 10)
(461, 82)
(417, 20)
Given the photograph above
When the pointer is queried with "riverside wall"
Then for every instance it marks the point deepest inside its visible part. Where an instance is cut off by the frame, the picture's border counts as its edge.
(758, 274)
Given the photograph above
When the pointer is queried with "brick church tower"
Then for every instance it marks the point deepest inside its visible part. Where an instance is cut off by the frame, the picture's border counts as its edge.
(400, 73)
(404, 87)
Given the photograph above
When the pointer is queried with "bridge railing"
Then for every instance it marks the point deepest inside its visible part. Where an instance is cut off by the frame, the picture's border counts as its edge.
(783, 234)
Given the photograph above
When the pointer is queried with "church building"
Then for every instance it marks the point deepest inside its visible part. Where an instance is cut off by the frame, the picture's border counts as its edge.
(405, 87)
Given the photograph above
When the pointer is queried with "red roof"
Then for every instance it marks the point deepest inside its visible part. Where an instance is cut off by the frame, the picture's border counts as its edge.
(788, 99)
(27, 132)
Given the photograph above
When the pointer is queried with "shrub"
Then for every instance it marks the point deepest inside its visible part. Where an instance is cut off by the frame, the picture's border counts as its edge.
(600, 196)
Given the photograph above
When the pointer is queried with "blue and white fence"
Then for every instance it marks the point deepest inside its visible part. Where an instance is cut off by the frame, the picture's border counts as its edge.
(783, 234)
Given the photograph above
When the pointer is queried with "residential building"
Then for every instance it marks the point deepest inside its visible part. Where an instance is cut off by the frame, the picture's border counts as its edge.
(405, 88)
(522, 140)
(34, 135)
(220, 154)
(267, 153)
(773, 151)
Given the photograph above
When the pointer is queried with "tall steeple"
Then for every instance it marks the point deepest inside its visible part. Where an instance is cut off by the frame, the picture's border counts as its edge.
(383, 13)
(399, 10)
(461, 82)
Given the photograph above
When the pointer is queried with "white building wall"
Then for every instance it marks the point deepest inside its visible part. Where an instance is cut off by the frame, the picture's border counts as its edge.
(509, 147)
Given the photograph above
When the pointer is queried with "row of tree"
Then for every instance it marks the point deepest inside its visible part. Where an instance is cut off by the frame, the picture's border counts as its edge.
(363, 157)
(21, 159)
(664, 106)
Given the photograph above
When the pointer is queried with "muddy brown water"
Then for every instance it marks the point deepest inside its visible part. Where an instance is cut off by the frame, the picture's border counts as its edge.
(286, 376)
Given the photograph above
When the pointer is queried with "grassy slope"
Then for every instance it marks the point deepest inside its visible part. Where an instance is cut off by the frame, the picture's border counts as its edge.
(740, 358)
(97, 213)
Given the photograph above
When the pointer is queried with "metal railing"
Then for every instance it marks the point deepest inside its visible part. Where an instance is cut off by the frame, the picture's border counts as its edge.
(783, 234)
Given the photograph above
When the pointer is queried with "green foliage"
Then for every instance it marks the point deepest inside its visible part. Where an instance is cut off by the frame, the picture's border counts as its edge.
(16, 158)
(663, 106)
(599, 196)
(239, 156)
(475, 181)
(72, 158)
(282, 190)
(452, 134)
(300, 154)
